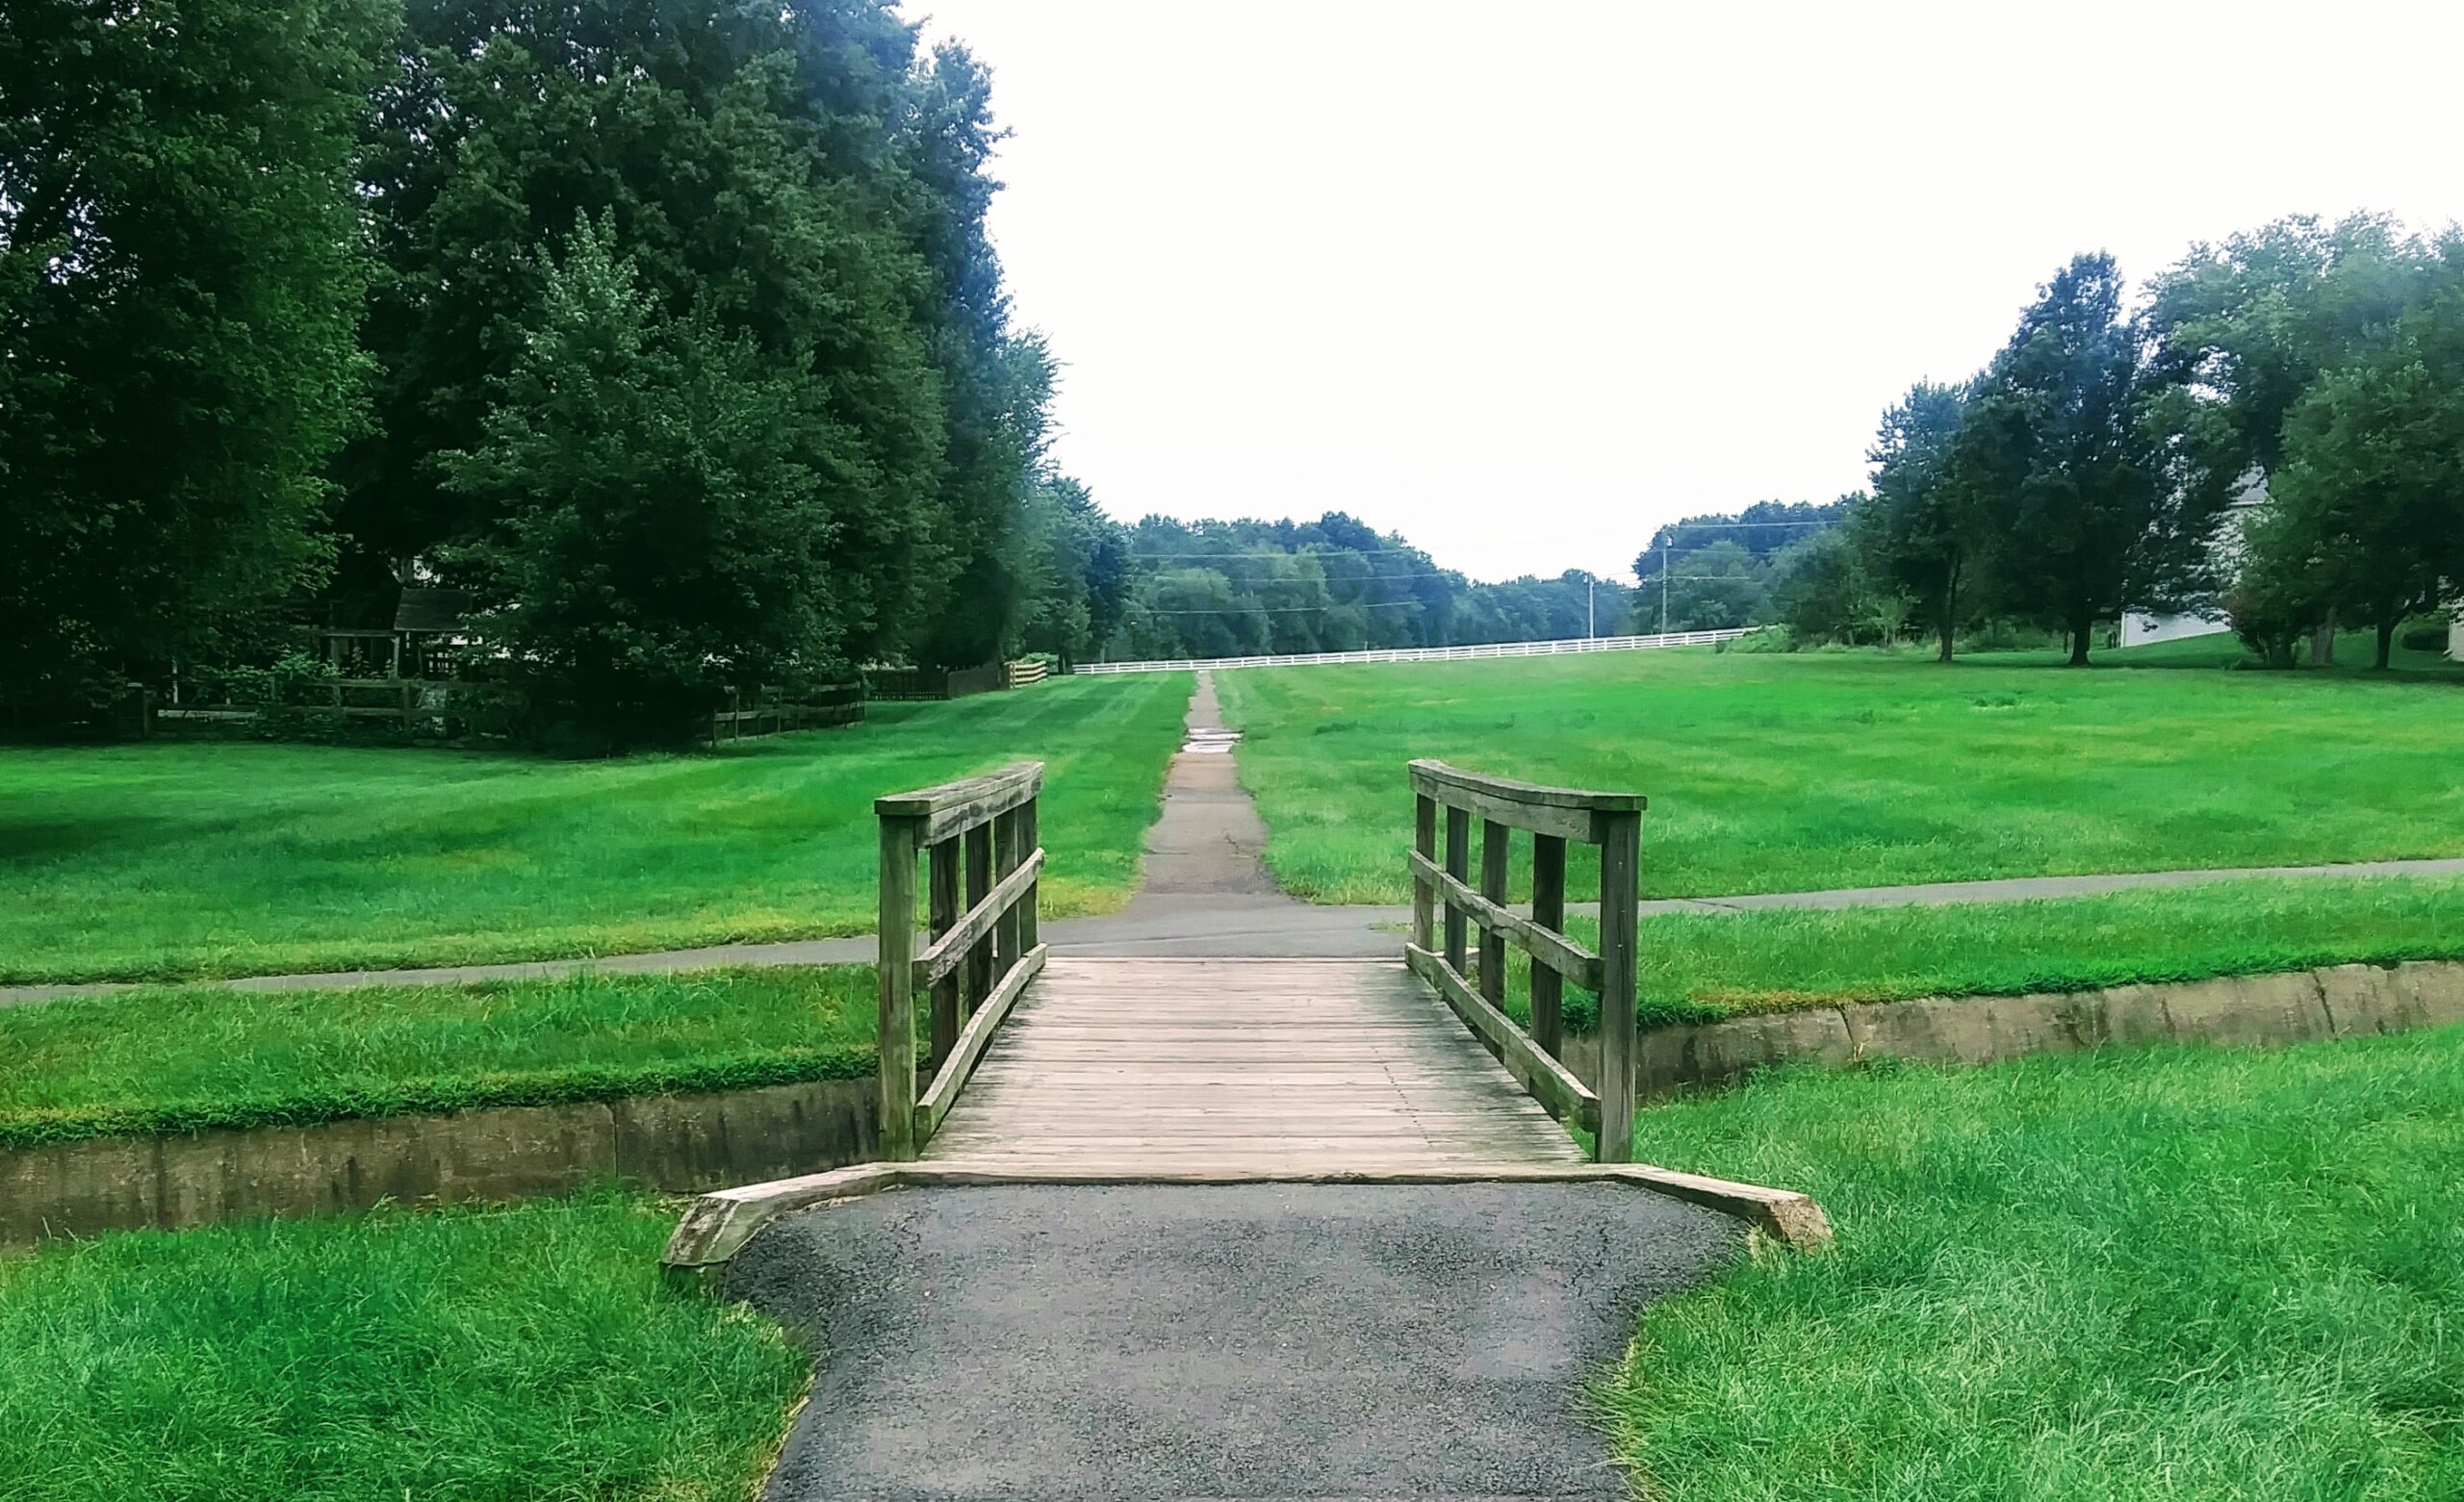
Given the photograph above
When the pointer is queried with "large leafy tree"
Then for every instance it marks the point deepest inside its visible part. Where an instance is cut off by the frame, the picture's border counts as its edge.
(2076, 490)
(758, 166)
(2249, 324)
(178, 287)
(2371, 495)
(662, 539)
(1920, 531)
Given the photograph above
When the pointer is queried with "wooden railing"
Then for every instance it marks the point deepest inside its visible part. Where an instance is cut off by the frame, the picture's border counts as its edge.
(977, 960)
(1553, 815)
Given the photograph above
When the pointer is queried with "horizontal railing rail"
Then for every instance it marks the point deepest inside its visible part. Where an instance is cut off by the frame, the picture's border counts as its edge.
(1552, 648)
(980, 839)
(1552, 816)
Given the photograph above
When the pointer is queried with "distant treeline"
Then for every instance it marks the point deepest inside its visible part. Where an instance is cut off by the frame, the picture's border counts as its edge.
(1165, 588)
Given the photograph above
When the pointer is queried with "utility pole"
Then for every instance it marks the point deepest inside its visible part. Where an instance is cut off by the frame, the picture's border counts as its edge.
(1590, 611)
(1664, 588)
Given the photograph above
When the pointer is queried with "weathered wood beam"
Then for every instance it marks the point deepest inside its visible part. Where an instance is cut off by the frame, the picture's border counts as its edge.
(955, 807)
(976, 923)
(1553, 950)
(972, 1040)
(1550, 1084)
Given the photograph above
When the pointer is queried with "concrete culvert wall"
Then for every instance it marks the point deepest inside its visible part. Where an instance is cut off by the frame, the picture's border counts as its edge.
(683, 1144)
(2270, 1010)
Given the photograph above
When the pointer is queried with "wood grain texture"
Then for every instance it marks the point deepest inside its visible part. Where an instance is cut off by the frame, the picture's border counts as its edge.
(1239, 1066)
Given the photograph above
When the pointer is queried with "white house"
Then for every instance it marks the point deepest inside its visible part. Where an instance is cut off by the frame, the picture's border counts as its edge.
(2140, 627)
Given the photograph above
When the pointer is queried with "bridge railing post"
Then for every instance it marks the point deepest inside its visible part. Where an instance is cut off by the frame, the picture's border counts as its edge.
(1621, 868)
(895, 1040)
(1554, 816)
(981, 835)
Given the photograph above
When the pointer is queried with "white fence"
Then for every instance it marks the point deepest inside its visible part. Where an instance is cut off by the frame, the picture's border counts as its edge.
(1582, 644)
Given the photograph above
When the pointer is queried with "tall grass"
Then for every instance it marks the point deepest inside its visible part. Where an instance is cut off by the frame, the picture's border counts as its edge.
(2158, 1274)
(525, 1354)
(168, 860)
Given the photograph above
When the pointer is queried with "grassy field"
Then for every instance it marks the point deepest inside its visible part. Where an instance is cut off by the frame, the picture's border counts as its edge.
(1775, 773)
(528, 1353)
(1700, 968)
(189, 1057)
(169, 860)
(2150, 1274)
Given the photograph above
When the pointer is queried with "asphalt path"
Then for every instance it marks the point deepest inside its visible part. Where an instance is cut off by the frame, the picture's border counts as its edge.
(1245, 1341)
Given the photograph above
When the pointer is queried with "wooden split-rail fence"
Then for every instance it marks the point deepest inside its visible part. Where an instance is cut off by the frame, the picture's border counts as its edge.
(1199, 1068)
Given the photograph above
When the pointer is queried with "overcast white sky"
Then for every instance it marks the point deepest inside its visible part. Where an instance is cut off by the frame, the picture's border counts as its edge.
(1521, 281)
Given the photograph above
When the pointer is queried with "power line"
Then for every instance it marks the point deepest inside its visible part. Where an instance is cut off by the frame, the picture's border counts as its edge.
(1286, 610)
(1276, 553)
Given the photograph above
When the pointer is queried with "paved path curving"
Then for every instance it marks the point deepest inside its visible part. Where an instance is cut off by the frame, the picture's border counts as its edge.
(1249, 1340)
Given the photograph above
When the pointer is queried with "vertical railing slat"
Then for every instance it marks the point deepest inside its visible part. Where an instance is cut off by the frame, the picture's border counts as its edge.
(1030, 841)
(1006, 855)
(1458, 865)
(943, 903)
(978, 968)
(1548, 911)
(1495, 847)
(1423, 897)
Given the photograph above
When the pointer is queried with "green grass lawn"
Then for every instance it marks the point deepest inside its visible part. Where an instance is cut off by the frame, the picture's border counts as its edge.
(1703, 967)
(1775, 773)
(190, 1058)
(169, 860)
(519, 1355)
(2148, 1274)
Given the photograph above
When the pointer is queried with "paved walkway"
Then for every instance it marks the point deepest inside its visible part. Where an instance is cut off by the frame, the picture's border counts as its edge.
(1252, 1340)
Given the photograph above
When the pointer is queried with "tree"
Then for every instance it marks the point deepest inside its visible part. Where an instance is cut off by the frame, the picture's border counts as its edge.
(1824, 589)
(783, 174)
(1713, 588)
(1077, 572)
(1920, 531)
(2372, 489)
(662, 539)
(2075, 494)
(179, 280)
(2248, 325)
(2277, 596)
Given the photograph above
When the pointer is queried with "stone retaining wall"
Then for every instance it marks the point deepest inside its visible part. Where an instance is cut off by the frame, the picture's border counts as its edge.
(684, 1144)
(2342, 1001)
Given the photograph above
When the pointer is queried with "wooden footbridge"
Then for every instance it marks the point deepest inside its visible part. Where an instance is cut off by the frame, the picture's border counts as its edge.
(1000, 1064)
(1121, 1068)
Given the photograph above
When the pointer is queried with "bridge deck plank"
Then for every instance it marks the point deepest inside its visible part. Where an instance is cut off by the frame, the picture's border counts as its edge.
(1240, 1065)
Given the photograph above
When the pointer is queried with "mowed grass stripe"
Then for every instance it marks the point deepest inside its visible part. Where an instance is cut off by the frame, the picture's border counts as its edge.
(167, 861)
(192, 1058)
(1779, 773)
